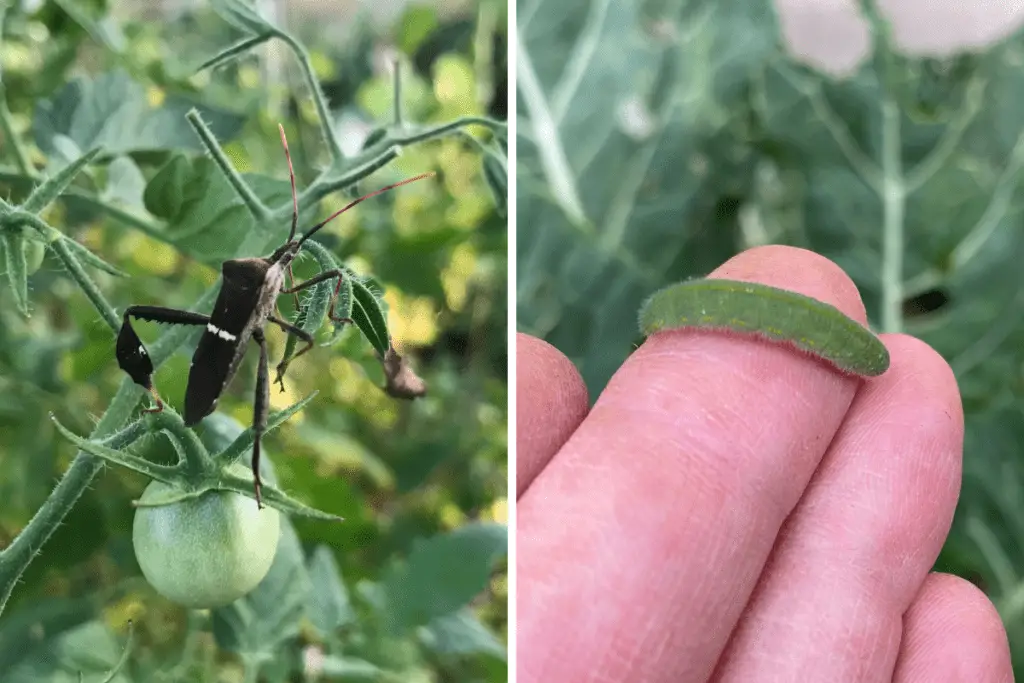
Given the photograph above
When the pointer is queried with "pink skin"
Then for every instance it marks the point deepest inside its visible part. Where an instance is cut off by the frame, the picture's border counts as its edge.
(732, 510)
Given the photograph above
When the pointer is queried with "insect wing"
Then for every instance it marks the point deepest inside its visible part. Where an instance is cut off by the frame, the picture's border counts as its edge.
(220, 350)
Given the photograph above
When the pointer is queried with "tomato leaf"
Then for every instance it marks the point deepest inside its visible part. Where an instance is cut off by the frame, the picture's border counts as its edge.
(328, 605)
(442, 574)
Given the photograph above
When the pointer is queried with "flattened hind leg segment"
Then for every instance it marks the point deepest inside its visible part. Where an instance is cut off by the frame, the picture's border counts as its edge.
(131, 353)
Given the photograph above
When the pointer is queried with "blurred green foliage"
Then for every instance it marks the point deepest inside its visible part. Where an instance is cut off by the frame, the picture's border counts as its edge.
(658, 139)
(412, 586)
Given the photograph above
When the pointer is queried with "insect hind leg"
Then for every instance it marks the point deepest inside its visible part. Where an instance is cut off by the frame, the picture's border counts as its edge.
(322, 277)
(131, 353)
(259, 413)
(298, 332)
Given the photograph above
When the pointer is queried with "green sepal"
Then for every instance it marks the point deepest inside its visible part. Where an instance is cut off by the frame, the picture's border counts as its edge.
(272, 496)
(52, 187)
(17, 268)
(243, 442)
(168, 475)
(234, 51)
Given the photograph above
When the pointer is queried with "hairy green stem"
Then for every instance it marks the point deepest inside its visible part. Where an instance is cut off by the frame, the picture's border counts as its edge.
(894, 200)
(7, 125)
(319, 189)
(253, 203)
(89, 287)
(191, 450)
(554, 161)
(319, 99)
(441, 129)
(396, 80)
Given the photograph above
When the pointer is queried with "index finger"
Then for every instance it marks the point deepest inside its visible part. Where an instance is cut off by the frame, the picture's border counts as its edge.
(648, 530)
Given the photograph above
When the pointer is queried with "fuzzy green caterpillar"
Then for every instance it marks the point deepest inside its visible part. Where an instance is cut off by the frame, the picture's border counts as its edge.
(776, 314)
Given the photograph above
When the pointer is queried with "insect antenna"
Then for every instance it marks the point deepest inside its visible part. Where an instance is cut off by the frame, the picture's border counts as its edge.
(295, 208)
(309, 233)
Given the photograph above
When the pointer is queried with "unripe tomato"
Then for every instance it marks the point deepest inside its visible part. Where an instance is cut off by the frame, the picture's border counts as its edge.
(204, 552)
(34, 253)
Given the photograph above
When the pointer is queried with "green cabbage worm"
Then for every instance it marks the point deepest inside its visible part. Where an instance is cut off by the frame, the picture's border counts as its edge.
(775, 314)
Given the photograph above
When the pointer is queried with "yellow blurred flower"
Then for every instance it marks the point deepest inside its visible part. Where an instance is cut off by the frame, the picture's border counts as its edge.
(412, 320)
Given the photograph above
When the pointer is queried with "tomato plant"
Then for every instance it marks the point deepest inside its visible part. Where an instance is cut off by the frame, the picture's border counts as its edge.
(132, 199)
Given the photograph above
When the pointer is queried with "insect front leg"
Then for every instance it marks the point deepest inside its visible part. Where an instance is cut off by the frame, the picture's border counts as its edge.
(326, 275)
(131, 353)
(259, 412)
(298, 332)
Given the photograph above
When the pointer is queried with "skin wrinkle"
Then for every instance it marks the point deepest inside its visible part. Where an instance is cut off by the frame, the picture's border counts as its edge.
(833, 526)
(949, 609)
(663, 406)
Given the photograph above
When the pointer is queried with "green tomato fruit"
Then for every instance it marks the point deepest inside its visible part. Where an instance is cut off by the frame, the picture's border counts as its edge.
(204, 552)
(34, 253)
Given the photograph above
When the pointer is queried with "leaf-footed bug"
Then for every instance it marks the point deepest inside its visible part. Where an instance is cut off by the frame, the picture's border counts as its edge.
(246, 301)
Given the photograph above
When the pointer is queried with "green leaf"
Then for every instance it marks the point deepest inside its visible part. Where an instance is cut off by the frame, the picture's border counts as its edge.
(631, 152)
(462, 633)
(329, 607)
(103, 28)
(89, 650)
(350, 668)
(319, 302)
(242, 15)
(125, 183)
(112, 675)
(164, 195)
(258, 625)
(17, 268)
(369, 317)
(206, 219)
(38, 626)
(443, 574)
(113, 112)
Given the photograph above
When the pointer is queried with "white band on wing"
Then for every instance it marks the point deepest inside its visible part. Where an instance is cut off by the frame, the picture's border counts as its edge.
(223, 334)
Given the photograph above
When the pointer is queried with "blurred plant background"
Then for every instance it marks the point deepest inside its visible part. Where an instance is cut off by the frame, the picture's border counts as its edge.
(412, 586)
(659, 138)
